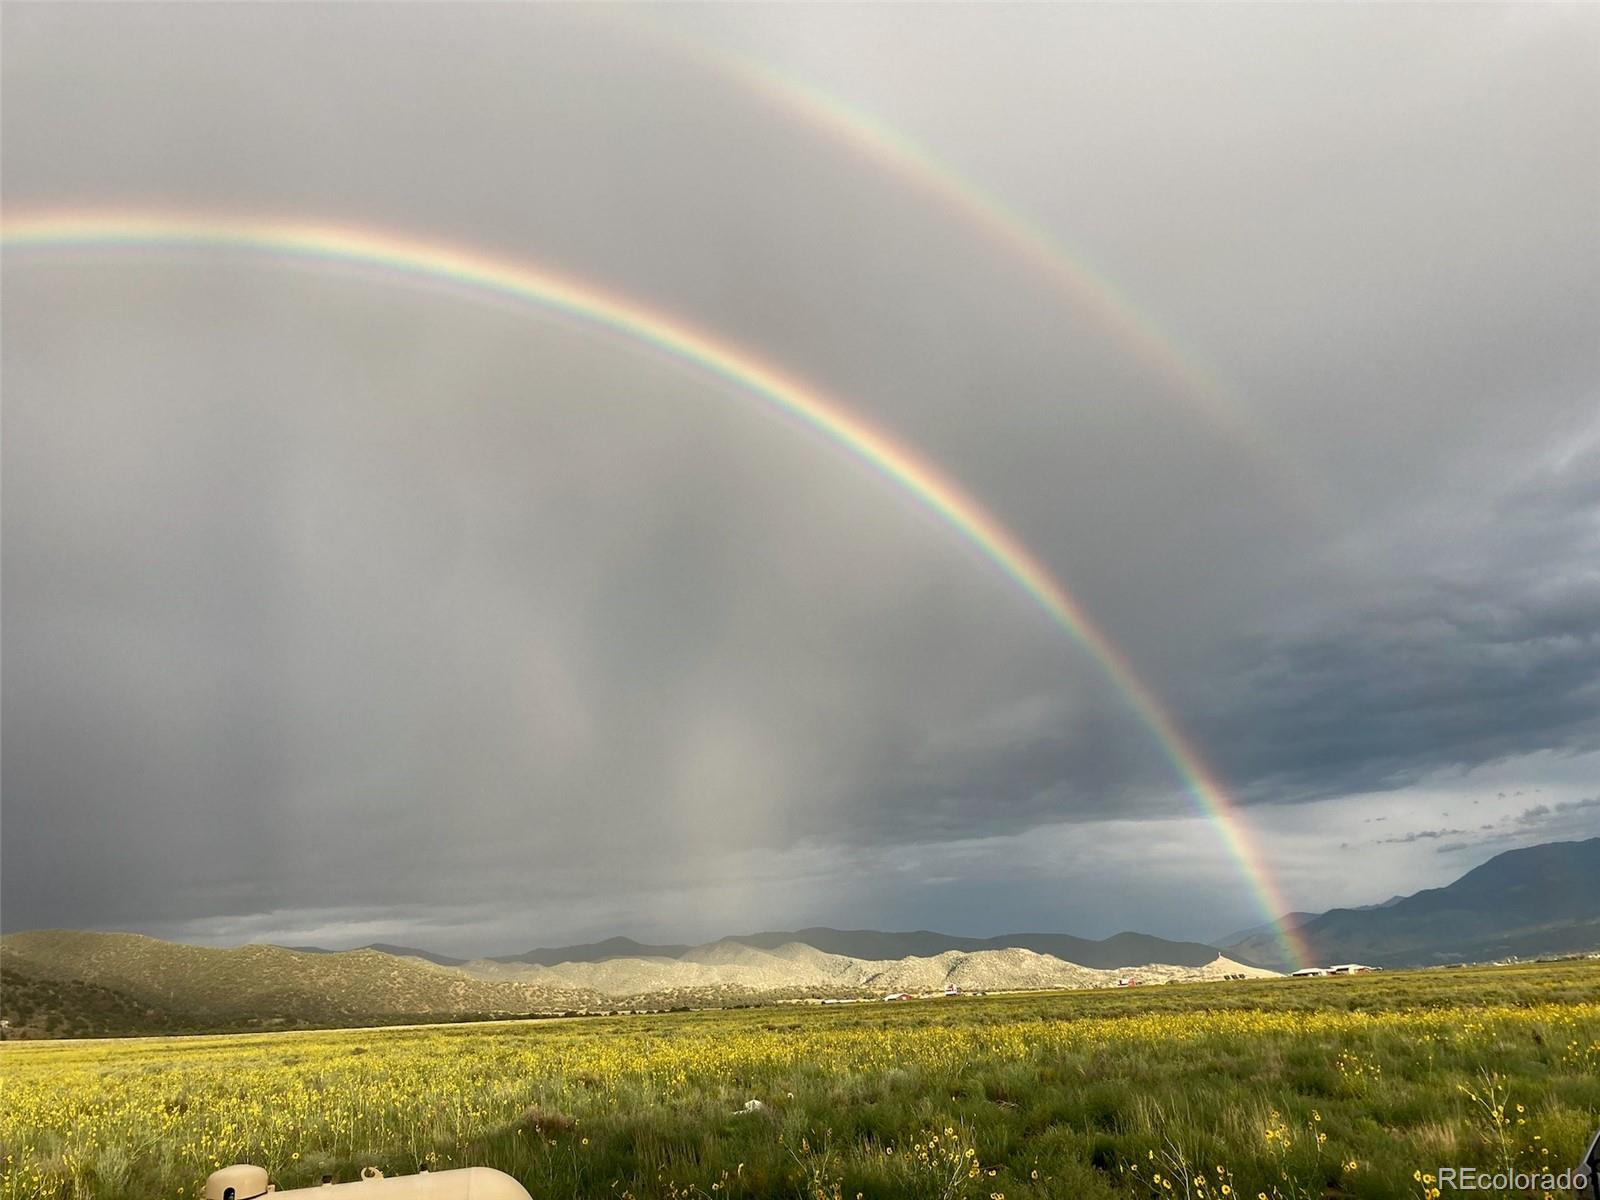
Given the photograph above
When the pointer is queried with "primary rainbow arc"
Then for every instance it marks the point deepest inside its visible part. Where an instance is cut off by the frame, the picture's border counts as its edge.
(409, 257)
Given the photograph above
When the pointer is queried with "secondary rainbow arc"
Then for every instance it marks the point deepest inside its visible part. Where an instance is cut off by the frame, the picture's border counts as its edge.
(414, 258)
(1119, 318)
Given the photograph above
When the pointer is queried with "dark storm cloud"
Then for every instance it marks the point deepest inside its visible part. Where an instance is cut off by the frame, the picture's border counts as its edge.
(1484, 645)
(1446, 677)
(331, 605)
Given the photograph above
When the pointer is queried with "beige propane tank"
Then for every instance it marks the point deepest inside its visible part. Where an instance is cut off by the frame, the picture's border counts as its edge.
(243, 1182)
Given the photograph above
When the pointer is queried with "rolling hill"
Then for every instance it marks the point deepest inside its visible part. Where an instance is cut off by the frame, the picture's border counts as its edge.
(172, 986)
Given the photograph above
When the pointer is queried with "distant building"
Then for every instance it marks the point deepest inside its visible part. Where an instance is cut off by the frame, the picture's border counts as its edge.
(1307, 972)
(1349, 969)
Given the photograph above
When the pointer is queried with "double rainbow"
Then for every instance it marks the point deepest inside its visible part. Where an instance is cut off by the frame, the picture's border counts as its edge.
(408, 258)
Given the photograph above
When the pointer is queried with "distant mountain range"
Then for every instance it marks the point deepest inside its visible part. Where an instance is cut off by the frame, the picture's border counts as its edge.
(1267, 929)
(1120, 950)
(71, 983)
(1539, 900)
(617, 947)
(441, 960)
(1523, 903)
(1290, 921)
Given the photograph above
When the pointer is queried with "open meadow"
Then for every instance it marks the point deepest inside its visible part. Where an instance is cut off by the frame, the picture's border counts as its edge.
(1284, 1089)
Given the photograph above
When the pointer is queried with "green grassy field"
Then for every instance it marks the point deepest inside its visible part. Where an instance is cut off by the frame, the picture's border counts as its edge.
(1287, 1088)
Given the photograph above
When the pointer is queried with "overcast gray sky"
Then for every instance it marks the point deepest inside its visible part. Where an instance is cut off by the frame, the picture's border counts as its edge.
(337, 609)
